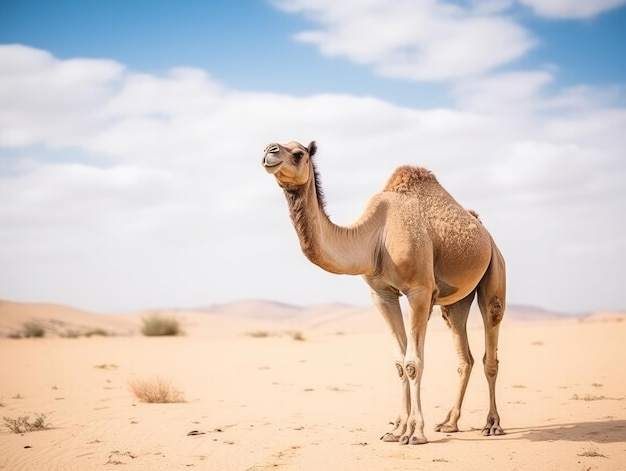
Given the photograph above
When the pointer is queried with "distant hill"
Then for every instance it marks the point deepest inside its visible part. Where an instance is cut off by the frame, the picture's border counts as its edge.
(58, 320)
(243, 315)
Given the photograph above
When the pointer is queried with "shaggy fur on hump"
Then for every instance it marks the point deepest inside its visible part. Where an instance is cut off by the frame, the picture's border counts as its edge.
(406, 178)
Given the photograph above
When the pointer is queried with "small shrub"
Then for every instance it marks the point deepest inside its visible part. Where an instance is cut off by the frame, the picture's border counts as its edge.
(297, 335)
(592, 453)
(22, 424)
(74, 334)
(587, 397)
(259, 334)
(97, 331)
(70, 334)
(32, 329)
(29, 329)
(157, 325)
(155, 390)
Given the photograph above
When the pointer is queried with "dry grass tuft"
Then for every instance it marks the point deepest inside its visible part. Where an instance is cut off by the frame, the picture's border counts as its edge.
(74, 334)
(28, 330)
(155, 390)
(22, 424)
(97, 331)
(261, 334)
(592, 453)
(158, 325)
(297, 335)
(587, 397)
(258, 334)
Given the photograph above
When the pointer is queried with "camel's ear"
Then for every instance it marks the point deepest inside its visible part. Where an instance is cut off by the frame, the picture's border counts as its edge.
(312, 148)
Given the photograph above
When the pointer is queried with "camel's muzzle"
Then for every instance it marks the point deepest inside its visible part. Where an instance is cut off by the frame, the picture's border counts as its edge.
(271, 162)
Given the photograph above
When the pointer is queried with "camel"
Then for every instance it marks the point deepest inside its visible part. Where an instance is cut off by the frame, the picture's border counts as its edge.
(413, 239)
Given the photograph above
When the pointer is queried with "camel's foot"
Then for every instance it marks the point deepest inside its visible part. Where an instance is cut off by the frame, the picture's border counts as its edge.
(450, 423)
(413, 440)
(447, 427)
(414, 434)
(492, 428)
(397, 432)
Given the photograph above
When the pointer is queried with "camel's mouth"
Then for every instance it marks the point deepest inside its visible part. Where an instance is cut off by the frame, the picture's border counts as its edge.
(271, 163)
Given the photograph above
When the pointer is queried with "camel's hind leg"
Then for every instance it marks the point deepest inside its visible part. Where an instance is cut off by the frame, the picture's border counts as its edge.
(456, 317)
(492, 300)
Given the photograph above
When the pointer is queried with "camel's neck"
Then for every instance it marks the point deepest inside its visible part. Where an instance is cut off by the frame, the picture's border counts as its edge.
(342, 250)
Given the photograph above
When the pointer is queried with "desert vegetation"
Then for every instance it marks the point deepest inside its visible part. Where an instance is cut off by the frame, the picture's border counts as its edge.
(159, 325)
(297, 335)
(23, 423)
(258, 334)
(261, 334)
(155, 390)
(74, 334)
(28, 330)
(587, 397)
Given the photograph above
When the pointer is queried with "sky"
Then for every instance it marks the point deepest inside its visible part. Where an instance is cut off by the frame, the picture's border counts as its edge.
(132, 133)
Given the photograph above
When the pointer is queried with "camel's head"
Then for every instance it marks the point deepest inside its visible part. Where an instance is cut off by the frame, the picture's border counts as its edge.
(290, 163)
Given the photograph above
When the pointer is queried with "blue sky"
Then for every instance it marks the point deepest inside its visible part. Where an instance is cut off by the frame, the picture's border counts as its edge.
(246, 45)
(131, 133)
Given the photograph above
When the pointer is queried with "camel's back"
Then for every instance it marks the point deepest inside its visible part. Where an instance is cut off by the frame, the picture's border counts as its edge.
(407, 179)
(420, 189)
(427, 204)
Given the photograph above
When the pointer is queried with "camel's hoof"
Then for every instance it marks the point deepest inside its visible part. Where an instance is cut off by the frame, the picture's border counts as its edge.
(446, 428)
(491, 430)
(418, 440)
(414, 440)
(390, 437)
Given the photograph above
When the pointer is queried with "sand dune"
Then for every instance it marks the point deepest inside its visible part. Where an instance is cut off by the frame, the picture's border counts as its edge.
(272, 402)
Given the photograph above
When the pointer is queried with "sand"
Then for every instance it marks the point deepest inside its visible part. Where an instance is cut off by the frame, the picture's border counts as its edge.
(270, 402)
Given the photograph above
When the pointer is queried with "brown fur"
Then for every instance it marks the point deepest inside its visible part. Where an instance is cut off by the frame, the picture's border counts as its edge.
(475, 214)
(406, 179)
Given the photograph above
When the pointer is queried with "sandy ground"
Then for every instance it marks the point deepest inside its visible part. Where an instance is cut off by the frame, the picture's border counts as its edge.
(265, 403)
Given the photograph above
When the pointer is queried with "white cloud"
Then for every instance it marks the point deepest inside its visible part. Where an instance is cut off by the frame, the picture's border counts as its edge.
(571, 9)
(430, 40)
(502, 93)
(425, 40)
(161, 199)
(26, 94)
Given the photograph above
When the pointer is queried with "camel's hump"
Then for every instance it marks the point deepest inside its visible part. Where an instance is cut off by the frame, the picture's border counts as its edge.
(406, 178)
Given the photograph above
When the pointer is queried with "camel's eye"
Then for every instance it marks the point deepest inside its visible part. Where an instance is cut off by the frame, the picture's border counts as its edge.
(297, 156)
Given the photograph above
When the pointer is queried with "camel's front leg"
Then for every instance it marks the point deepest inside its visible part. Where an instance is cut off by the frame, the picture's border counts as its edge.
(389, 306)
(400, 424)
(421, 303)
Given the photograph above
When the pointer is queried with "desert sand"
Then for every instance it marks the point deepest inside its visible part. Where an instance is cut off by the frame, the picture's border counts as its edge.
(259, 397)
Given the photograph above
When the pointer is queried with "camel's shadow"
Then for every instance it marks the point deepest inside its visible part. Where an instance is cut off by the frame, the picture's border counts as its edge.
(607, 431)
